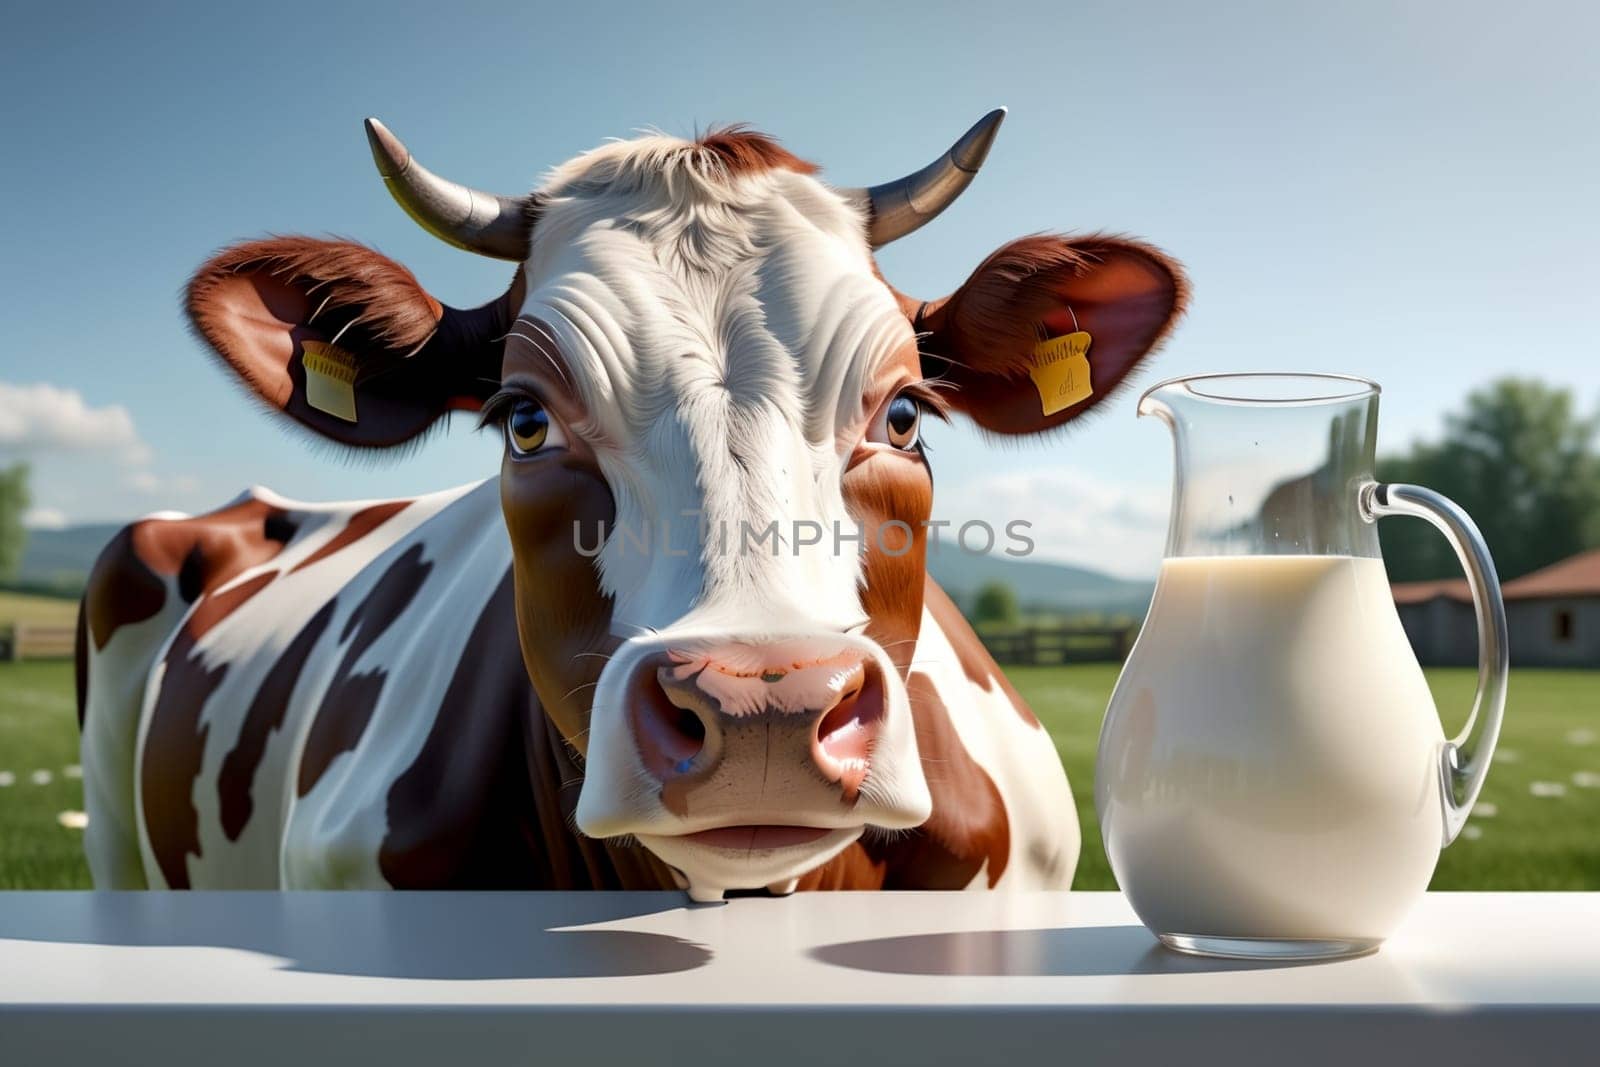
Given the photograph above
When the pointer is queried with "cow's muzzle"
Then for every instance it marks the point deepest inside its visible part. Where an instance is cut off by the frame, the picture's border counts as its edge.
(753, 759)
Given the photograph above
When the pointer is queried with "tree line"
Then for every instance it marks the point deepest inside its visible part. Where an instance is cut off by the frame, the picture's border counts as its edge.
(1523, 461)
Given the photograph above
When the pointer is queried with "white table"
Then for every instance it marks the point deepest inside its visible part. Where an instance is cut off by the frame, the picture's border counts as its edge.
(232, 979)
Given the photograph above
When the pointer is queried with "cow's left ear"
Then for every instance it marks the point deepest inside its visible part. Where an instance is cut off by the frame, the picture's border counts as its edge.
(1015, 337)
(344, 340)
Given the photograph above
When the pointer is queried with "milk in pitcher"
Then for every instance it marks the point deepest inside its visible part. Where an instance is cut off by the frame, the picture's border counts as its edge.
(1275, 765)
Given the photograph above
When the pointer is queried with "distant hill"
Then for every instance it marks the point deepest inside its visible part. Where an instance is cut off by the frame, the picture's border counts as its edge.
(1039, 585)
(60, 559)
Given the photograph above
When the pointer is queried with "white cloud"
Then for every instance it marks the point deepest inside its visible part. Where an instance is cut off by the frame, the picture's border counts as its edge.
(44, 518)
(48, 419)
(149, 482)
(1075, 516)
(82, 453)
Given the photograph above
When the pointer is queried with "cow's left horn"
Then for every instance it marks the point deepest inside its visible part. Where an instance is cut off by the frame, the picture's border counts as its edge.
(896, 208)
(499, 226)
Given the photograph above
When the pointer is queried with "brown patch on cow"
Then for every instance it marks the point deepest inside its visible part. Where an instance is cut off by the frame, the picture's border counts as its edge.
(968, 831)
(563, 618)
(351, 698)
(358, 526)
(742, 151)
(216, 607)
(877, 491)
(209, 550)
(128, 584)
(979, 666)
(122, 589)
(856, 868)
(263, 718)
(175, 742)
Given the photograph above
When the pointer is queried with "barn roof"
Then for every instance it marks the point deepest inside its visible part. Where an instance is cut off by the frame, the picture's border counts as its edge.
(1574, 576)
(1422, 592)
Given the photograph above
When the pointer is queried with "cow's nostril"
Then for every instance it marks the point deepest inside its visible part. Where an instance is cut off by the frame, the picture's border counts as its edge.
(690, 726)
(845, 734)
(669, 723)
(844, 717)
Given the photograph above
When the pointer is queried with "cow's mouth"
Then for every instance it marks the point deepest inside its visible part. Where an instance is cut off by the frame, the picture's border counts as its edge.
(757, 837)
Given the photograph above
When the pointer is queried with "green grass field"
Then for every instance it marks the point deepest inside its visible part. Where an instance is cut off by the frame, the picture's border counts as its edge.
(1531, 841)
(39, 736)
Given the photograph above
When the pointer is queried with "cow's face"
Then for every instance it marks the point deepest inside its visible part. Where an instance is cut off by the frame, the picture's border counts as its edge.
(713, 480)
(712, 365)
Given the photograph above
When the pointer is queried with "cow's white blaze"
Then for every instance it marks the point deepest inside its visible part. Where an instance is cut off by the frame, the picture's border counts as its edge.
(719, 331)
(722, 332)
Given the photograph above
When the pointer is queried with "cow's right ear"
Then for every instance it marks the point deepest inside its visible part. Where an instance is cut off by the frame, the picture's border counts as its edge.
(344, 340)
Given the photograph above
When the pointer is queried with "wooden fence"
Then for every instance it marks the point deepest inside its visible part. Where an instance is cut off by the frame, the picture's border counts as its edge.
(1059, 644)
(27, 641)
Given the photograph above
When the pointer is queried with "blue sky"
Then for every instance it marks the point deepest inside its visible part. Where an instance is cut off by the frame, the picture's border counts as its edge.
(1404, 191)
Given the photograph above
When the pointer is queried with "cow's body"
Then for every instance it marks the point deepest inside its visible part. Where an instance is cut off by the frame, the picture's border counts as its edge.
(331, 696)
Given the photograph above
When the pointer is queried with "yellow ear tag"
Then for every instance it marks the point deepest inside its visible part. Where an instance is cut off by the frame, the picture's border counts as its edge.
(330, 379)
(1061, 371)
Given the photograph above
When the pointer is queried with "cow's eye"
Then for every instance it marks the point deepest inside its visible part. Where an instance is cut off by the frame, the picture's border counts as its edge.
(902, 422)
(529, 428)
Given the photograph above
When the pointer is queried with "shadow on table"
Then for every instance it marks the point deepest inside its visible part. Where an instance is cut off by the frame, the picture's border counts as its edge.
(458, 936)
(1067, 951)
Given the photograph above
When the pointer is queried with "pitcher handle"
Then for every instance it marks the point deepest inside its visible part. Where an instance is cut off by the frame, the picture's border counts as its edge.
(1464, 761)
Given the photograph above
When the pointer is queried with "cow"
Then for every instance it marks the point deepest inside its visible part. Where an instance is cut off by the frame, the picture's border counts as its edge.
(686, 638)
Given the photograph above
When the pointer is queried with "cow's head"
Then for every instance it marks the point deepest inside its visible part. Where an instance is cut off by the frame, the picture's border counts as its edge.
(697, 345)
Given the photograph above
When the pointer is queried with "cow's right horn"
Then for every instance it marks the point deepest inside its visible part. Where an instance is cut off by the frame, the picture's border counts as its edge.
(491, 225)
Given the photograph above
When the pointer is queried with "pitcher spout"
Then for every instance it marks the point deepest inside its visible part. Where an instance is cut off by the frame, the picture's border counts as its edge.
(1154, 401)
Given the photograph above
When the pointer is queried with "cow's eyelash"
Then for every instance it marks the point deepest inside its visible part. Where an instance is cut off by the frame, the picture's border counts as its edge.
(498, 407)
(927, 396)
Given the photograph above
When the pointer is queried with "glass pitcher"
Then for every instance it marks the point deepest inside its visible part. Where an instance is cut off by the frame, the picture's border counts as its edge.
(1272, 779)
